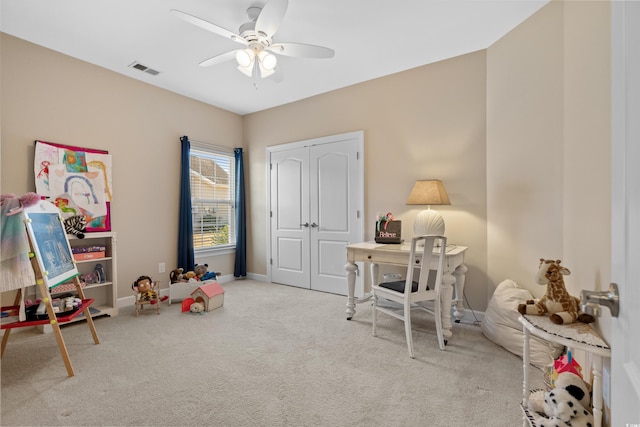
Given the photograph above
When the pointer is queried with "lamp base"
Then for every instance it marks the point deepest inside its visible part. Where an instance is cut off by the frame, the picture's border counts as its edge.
(428, 221)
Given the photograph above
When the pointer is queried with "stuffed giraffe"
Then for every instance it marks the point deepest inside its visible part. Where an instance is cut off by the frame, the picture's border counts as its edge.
(561, 306)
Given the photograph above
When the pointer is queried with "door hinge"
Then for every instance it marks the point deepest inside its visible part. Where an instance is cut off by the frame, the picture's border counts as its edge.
(358, 214)
(357, 155)
(271, 261)
(270, 166)
(270, 214)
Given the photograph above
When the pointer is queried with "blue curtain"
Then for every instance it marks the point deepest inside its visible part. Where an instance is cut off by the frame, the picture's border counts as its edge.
(186, 259)
(240, 268)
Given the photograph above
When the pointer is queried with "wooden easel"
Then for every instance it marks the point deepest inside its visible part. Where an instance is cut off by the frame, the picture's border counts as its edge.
(52, 319)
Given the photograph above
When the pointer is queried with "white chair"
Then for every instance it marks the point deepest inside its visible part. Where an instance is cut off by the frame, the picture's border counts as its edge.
(414, 289)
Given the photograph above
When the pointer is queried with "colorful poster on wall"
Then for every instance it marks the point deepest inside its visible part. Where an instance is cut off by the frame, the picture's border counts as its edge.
(77, 180)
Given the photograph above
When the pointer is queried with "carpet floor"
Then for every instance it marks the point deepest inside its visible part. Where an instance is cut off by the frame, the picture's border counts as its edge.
(272, 355)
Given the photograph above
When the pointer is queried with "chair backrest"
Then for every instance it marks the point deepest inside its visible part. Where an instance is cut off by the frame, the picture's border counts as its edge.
(423, 251)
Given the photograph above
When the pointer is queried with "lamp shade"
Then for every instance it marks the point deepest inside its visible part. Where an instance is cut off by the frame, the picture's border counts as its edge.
(428, 192)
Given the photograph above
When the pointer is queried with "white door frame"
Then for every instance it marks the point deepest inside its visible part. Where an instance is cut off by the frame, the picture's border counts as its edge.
(359, 135)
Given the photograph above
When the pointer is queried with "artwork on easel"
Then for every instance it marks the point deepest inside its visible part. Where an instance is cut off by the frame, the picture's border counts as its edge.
(50, 243)
(77, 180)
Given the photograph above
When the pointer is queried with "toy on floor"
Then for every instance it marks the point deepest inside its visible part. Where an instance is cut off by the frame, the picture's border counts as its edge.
(206, 297)
(211, 295)
(186, 304)
(202, 272)
(197, 307)
(147, 292)
(144, 287)
(199, 273)
(562, 307)
(176, 276)
(567, 404)
(189, 305)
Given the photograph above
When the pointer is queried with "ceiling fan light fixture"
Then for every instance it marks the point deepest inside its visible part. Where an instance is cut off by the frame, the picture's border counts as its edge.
(265, 72)
(245, 57)
(247, 71)
(267, 60)
(256, 58)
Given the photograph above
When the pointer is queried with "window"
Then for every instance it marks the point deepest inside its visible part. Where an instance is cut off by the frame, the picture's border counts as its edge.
(212, 198)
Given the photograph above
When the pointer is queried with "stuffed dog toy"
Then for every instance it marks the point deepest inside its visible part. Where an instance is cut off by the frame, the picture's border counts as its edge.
(567, 404)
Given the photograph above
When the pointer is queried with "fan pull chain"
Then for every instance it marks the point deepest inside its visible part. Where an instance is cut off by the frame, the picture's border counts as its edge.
(256, 72)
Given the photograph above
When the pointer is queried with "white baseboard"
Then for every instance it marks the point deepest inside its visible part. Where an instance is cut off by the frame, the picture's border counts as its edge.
(257, 277)
(130, 300)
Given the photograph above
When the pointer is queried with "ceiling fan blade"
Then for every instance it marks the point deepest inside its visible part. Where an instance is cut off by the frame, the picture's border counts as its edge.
(271, 17)
(206, 25)
(218, 59)
(300, 50)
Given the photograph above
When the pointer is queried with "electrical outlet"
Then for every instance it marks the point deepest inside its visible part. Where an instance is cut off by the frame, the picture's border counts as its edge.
(161, 267)
(606, 387)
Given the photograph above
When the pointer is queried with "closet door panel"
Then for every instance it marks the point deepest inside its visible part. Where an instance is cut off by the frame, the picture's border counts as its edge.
(333, 208)
(290, 211)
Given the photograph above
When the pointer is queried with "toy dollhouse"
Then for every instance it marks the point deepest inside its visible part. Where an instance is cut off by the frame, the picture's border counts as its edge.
(210, 294)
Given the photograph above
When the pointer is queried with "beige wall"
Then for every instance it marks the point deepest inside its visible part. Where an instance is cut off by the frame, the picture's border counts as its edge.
(49, 96)
(587, 160)
(543, 99)
(548, 148)
(428, 122)
(525, 150)
(515, 132)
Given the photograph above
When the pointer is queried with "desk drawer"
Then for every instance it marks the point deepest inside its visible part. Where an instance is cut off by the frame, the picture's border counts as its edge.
(379, 257)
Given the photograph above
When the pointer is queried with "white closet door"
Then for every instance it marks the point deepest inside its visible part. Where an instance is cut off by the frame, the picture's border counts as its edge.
(316, 200)
(334, 209)
(289, 213)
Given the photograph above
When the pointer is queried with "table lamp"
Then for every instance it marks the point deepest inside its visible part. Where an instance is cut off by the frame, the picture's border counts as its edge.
(428, 192)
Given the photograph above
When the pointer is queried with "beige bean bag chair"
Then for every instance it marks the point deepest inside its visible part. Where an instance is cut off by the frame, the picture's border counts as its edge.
(501, 324)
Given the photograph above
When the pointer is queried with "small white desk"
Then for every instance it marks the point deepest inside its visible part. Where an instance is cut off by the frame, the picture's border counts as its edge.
(378, 253)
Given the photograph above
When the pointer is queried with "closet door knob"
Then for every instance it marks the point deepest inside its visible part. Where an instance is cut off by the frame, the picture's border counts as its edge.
(306, 224)
(314, 225)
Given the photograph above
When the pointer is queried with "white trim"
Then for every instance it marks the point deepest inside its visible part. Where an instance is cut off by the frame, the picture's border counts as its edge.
(214, 251)
(359, 135)
(206, 150)
(206, 146)
(257, 277)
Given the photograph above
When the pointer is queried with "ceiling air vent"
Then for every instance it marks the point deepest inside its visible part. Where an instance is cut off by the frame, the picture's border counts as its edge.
(139, 66)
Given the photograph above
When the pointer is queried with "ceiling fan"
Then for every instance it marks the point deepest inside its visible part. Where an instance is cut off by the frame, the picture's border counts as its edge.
(256, 57)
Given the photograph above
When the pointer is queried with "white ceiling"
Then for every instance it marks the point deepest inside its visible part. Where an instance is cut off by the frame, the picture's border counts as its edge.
(371, 38)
